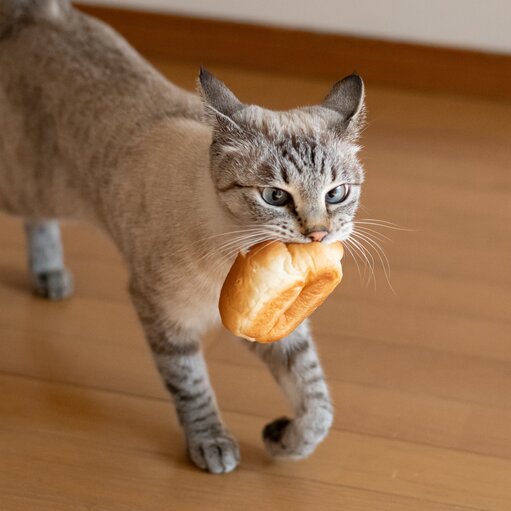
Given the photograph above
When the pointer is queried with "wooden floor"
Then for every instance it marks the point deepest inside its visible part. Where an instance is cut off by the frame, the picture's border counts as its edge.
(421, 378)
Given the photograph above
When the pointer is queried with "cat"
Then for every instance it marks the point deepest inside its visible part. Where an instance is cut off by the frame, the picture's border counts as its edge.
(181, 182)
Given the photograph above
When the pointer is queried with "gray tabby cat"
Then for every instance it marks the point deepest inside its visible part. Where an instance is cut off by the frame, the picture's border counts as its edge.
(90, 131)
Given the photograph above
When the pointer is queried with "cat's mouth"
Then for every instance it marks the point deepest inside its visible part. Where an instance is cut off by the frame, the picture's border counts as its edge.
(341, 234)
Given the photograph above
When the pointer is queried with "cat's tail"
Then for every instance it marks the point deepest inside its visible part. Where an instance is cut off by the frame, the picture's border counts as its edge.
(16, 12)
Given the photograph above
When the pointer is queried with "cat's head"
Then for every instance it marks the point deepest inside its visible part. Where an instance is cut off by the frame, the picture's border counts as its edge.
(296, 172)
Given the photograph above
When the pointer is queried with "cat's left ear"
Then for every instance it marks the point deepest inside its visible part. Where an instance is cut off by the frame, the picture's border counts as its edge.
(220, 102)
(346, 98)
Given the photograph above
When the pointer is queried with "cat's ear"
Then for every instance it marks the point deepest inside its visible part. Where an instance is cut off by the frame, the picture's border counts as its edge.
(346, 98)
(220, 102)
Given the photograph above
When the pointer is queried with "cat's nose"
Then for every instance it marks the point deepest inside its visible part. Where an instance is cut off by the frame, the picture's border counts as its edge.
(317, 235)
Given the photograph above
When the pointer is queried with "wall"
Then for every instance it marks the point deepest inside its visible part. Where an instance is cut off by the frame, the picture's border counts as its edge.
(477, 24)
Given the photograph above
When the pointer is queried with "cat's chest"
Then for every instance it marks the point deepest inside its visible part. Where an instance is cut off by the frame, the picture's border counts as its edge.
(194, 300)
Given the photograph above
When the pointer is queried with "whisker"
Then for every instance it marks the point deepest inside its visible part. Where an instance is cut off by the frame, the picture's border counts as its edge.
(219, 253)
(246, 244)
(239, 239)
(236, 241)
(233, 245)
(381, 255)
(223, 258)
(374, 243)
(380, 220)
(350, 252)
(368, 258)
(371, 261)
(250, 228)
(260, 248)
(374, 233)
(381, 223)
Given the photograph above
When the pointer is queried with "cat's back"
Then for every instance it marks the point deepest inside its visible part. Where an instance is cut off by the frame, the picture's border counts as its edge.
(73, 93)
(65, 52)
(49, 39)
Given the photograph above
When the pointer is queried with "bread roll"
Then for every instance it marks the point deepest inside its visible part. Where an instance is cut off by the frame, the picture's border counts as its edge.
(271, 289)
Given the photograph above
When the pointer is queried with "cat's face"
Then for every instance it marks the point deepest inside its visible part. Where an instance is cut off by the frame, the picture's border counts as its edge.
(295, 175)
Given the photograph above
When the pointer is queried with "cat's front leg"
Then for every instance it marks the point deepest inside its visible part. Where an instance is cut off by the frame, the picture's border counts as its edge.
(294, 363)
(180, 362)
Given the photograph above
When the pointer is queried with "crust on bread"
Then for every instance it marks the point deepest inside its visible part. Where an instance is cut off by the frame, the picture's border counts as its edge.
(271, 289)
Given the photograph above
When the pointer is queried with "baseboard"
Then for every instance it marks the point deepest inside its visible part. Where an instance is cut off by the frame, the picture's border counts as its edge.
(392, 64)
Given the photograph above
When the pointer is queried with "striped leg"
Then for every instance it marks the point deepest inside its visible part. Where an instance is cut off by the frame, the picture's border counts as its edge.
(182, 367)
(46, 262)
(294, 363)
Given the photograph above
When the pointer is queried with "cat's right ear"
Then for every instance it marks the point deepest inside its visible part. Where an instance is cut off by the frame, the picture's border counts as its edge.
(221, 104)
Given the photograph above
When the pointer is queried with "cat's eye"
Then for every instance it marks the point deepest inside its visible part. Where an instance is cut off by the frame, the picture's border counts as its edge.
(275, 196)
(338, 194)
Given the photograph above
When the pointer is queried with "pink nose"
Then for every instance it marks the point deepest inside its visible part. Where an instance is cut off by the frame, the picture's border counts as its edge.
(317, 235)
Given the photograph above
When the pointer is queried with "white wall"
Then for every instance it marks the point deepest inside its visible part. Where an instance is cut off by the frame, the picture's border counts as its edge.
(478, 24)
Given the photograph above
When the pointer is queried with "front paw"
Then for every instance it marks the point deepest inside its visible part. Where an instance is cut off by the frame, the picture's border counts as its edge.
(296, 439)
(217, 452)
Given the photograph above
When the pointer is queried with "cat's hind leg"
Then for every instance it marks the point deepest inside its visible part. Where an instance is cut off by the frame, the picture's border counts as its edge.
(294, 364)
(50, 278)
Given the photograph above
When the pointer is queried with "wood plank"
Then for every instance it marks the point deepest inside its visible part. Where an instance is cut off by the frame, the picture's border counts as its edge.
(390, 409)
(107, 429)
(408, 369)
(107, 479)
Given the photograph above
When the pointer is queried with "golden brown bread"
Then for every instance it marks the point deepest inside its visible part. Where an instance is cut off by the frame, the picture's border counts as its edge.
(271, 289)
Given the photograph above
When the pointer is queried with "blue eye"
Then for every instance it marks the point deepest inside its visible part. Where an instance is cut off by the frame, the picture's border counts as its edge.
(338, 194)
(275, 196)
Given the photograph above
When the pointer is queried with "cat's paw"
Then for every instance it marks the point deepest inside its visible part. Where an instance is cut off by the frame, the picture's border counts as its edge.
(217, 453)
(54, 284)
(294, 439)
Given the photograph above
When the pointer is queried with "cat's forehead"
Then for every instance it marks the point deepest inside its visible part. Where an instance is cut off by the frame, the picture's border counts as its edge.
(303, 123)
(301, 133)
(299, 146)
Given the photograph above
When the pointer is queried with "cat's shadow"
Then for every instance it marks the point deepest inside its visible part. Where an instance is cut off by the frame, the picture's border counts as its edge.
(14, 278)
(50, 379)
(103, 414)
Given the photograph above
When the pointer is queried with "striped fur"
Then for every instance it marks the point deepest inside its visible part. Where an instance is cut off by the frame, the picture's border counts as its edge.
(295, 366)
(177, 355)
